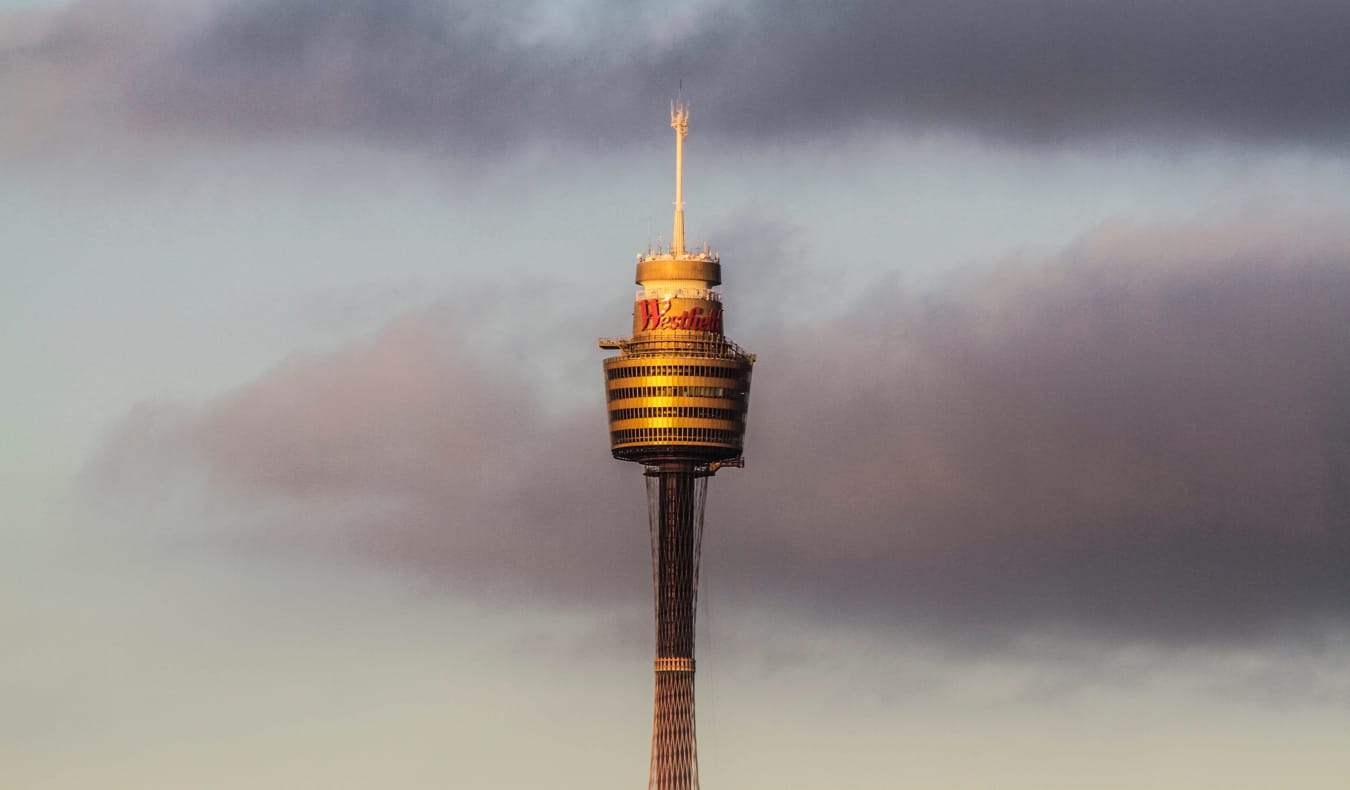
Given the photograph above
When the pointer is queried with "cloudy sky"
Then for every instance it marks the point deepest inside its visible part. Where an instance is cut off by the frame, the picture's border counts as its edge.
(306, 479)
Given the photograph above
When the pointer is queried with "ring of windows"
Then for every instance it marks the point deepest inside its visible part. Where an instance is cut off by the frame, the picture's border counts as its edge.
(687, 412)
(704, 371)
(676, 436)
(680, 391)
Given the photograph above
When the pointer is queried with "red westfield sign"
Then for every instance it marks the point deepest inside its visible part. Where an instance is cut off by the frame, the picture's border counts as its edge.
(656, 314)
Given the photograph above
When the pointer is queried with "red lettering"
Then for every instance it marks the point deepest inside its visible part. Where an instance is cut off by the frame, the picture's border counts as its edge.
(652, 313)
(655, 314)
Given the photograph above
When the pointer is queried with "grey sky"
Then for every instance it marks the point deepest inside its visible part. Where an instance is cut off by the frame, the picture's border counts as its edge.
(305, 466)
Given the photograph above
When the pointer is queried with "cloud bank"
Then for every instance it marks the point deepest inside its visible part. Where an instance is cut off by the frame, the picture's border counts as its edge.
(450, 76)
(1144, 437)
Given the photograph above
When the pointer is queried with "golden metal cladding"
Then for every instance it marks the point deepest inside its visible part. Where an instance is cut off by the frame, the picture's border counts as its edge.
(671, 406)
(657, 268)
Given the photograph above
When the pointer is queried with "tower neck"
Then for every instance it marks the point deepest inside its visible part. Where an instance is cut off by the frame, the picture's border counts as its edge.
(679, 121)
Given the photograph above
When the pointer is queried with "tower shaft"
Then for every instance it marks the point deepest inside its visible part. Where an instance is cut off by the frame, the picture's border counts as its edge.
(676, 498)
(674, 748)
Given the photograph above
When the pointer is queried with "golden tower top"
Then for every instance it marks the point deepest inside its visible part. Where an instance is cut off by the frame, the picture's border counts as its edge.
(678, 267)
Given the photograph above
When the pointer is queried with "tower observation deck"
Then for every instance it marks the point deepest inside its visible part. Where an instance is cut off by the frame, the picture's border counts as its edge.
(677, 395)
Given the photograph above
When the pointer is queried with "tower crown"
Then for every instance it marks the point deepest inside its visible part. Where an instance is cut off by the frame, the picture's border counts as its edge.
(679, 389)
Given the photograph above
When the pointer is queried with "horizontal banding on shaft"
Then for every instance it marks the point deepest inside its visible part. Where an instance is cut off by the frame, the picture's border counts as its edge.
(674, 665)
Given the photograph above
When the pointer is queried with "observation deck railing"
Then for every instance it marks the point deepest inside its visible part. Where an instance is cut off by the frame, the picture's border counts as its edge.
(679, 343)
(679, 293)
(663, 254)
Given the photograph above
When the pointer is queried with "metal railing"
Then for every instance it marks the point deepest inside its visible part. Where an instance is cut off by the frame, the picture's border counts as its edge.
(679, 343)
(706, 294)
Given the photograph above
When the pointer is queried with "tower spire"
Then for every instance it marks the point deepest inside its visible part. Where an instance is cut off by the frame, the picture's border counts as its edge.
(679, 121)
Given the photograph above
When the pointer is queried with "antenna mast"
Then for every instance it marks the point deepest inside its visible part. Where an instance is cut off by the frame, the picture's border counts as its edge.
(679, 121)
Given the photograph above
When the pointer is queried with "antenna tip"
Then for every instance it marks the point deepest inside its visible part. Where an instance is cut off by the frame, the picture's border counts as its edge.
(679, 113)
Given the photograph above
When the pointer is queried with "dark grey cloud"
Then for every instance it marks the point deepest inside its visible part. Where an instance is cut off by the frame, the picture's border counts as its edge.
(1047, 70)
(1031, 71)
(474, 79)
(66, 72)
(1144, 437)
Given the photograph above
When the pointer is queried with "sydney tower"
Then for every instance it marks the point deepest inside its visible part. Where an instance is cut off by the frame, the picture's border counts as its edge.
(677, 395)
